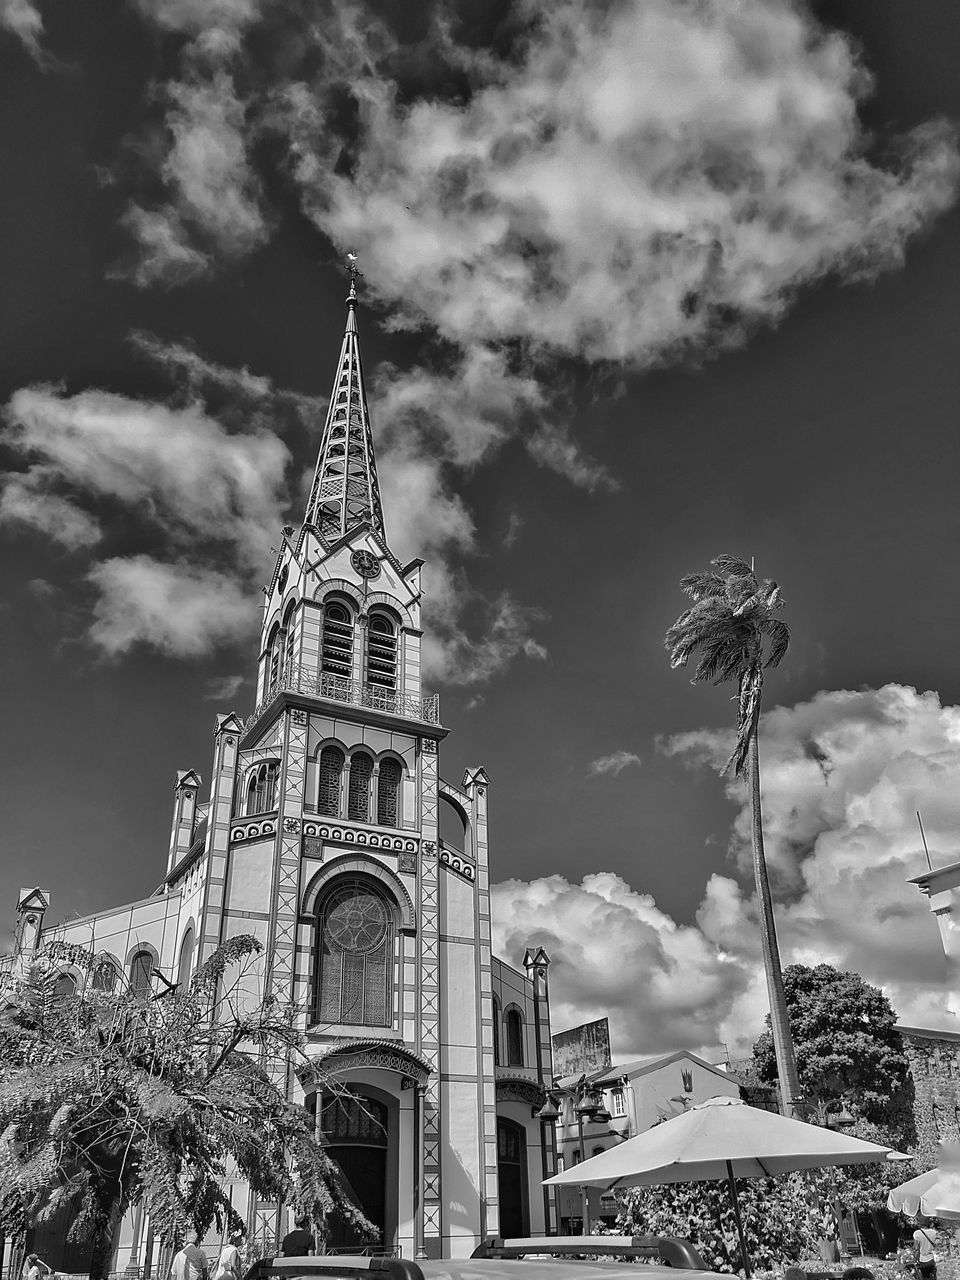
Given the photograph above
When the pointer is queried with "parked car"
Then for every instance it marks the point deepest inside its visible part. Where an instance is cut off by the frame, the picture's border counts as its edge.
(533, 1258)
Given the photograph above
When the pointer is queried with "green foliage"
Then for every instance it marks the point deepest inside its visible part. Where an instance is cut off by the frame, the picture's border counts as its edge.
(778, 1224)
(732, 625)
(847, 1048)
(107, 1098)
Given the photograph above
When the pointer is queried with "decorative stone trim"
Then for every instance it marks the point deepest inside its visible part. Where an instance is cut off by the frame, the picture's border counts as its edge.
(255, 830)
(371, 838)
(518, 1088)
(429, 745)
(460, 865)
(382, 1055)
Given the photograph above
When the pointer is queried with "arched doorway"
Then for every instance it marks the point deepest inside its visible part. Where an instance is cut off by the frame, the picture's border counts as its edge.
(512, 1178)
(356, 1129)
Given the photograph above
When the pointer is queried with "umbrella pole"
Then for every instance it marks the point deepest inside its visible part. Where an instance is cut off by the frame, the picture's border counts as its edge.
(731, 1183)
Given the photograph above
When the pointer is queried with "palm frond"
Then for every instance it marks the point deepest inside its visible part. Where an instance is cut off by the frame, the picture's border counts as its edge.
(700, 585)
(778, 633)
(732, 566)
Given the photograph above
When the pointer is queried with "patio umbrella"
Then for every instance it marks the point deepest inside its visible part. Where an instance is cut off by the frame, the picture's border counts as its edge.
(935, 1194)
(721, 1138)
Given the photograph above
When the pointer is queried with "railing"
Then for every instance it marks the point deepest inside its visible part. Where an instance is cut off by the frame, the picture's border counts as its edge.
(297, 679)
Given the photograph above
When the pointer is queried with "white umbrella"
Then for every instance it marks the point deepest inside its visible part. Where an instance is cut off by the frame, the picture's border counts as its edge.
(935, 1194)
(721, 1138)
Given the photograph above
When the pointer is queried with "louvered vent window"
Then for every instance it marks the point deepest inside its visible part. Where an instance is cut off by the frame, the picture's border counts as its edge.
(331, 769)
(382, 653)
(337, 656)
(358, 797)
(356, 955)
(388, 794)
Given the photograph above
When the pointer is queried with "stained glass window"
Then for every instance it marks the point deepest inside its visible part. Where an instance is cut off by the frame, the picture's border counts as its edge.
(358, 796)
(388, 793)
(514, 1028)
(355, 957)
(331, 769)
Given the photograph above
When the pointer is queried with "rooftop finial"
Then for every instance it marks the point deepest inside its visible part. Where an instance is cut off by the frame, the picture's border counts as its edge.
(355, 274)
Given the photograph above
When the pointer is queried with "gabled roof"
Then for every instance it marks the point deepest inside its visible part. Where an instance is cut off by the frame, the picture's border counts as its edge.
(643, 1067)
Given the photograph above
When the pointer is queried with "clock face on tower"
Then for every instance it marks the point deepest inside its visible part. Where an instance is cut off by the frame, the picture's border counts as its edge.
(366, 564)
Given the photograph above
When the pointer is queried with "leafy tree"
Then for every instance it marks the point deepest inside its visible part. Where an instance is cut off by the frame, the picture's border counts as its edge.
(777, 1222)
(110, 1097)
(848, 1049)
(733, 627)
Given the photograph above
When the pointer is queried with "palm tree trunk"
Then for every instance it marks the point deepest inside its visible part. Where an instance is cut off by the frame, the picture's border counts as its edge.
(791, 1099)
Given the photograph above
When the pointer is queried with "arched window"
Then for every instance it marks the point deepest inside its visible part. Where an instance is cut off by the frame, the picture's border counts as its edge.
(65, 984)
(273, 657)
(513, 1024)
(104, 974)
(185, 968)
(496, 1032)
(382, 652)
(141, 973)
(355, 979)
(289, 639)
(336, 655)
(358, 790)
(388, 793)
(262, 788)
(331, 769)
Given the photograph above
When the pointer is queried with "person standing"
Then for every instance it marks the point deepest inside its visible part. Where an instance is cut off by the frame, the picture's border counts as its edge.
(228, 1264)
(299, 1243)
(924, 1242)
(35, 1268)
(189, 1262)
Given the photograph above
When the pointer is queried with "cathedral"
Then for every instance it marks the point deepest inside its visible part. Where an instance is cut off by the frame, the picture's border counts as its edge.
(320, 834)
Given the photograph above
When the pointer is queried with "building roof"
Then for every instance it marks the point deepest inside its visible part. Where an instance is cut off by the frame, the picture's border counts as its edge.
(928, 1033)
(643, 1066)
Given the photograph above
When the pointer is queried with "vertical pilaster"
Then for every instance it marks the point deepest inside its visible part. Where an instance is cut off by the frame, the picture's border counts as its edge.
(282, 938)
(428, 1000)
(537, 965)
(222, 787)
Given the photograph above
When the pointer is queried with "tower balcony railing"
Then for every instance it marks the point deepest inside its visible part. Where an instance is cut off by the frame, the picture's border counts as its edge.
(296, 679)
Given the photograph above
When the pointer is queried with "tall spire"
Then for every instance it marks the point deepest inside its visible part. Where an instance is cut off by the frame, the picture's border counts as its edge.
(345, 489)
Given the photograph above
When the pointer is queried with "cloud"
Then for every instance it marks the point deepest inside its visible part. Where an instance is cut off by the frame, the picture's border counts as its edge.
(184, 611)
(97, 461)
(223, 688)
(23, 19)
(843, 776)
(614, 953)
(627, 184)
(164, 252)
(614, 763)
(26, 503)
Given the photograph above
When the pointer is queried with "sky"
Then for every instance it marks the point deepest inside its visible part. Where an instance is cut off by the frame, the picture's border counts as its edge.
(643, 284)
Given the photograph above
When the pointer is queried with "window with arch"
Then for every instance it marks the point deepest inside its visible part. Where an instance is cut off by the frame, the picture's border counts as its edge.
(382, 652)
(336, 653)
(105, 974)
(496, 1032)
(141, 974)
(65, 984)
(289, 641)
(328, 790)
(354, 983)
(358, 787)
(261, 788)
(185, 967)
(513, 1025)
(388, 793)
(274, 654)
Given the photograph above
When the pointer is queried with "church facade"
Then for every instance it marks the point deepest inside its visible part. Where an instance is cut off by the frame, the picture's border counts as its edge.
(320, 834)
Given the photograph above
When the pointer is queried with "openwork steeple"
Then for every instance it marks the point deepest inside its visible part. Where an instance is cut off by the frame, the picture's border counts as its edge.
(345, 489)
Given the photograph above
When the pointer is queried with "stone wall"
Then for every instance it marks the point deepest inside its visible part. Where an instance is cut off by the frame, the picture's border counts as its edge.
(934, 1058)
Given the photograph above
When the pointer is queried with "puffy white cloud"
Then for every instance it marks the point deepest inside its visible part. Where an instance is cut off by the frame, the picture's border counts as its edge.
(212, 496)
(614, 763)
(223, 688)
(23, 19)
(631, 183)
(843, 776)
(614, 952)
(25, 502)
(165, 254)
(182, 610)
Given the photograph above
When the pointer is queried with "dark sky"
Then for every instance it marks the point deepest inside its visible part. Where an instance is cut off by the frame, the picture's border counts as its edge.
(825, 446)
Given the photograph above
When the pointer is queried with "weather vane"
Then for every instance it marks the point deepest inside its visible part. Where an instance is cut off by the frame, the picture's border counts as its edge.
(354, 272)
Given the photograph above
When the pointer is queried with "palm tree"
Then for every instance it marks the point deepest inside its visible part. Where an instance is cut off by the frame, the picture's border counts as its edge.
(733, 628)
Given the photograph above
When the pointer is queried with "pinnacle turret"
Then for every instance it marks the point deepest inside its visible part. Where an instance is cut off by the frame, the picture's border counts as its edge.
(345, 491)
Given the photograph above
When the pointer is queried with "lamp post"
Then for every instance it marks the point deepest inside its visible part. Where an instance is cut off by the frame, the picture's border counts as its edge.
(589, 1107)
